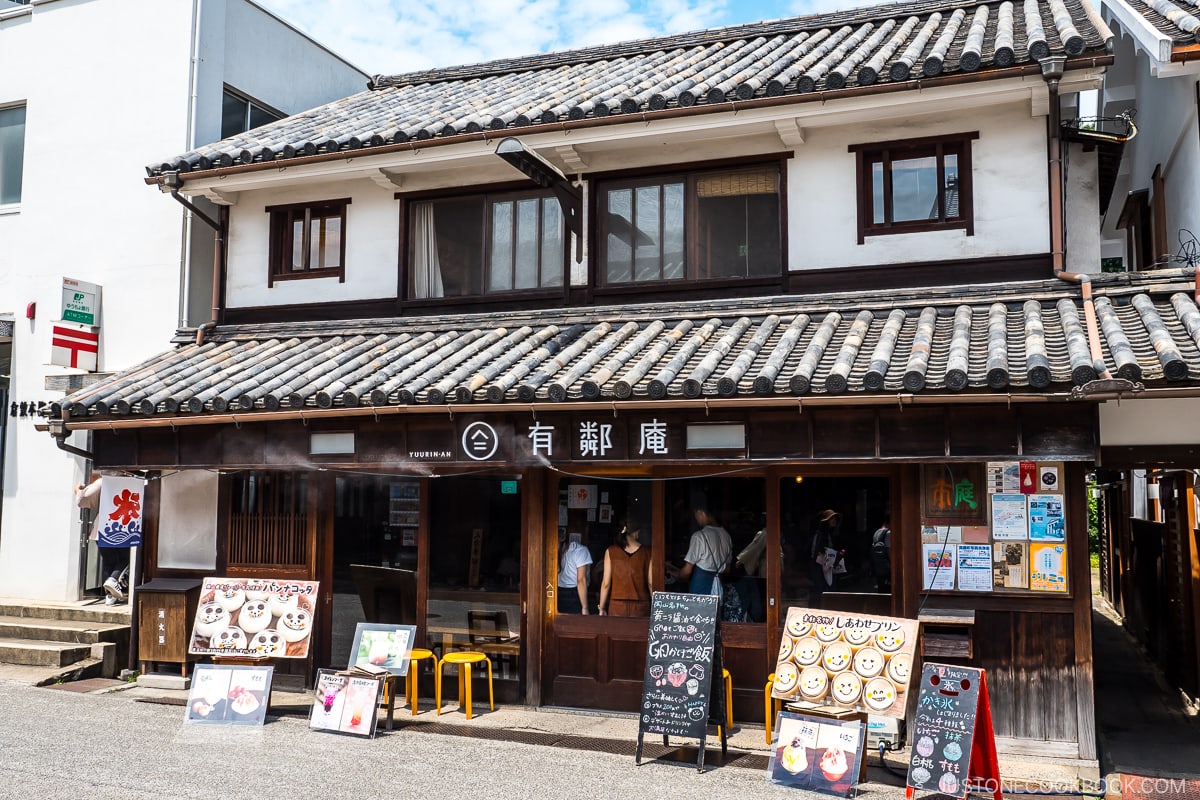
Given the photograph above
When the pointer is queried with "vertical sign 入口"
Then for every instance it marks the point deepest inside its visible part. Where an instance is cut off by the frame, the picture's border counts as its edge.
(681, 659)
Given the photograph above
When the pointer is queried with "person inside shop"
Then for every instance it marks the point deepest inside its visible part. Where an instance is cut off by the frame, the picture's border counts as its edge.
(751, 583)
(823, 556)
(574, 566)
(625, 587)
(881, 555)
(709, 554)
(114, 561)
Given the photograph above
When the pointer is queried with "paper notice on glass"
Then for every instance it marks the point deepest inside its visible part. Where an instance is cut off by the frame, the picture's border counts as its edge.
(1010, 520)
(1004, 476)
(1046, 521)
(938, 567)
(975, 567)
(1010, 565)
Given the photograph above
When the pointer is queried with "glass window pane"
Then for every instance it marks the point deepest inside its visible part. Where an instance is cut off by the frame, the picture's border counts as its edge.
(12, 153)
(647, 260)
(618, 267)
(297, 263)
(914, 189)
(951, 187)
(233, 115)
(459, 226)
(527, 244)
(500, 275)
(672, 231)
(877, 207)
(738, 224)
(552, 243)
(260, 116)
(326, 243)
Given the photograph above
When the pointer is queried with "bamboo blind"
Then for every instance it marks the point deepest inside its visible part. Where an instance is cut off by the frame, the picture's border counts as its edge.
(736, 184)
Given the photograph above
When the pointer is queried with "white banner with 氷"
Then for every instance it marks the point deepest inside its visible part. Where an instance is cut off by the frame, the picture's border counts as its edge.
(119, 518)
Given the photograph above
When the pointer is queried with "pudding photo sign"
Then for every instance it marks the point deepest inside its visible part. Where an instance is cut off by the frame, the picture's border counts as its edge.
(846, 660)
(254, 618)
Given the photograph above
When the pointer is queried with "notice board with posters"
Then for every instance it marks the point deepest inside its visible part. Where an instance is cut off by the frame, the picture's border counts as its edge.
(681, 657)
(953, 741)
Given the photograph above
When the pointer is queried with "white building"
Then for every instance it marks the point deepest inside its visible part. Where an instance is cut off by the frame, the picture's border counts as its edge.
(111, 85)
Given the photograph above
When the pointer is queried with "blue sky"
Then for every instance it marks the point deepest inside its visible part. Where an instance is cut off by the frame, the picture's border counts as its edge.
(394, 36)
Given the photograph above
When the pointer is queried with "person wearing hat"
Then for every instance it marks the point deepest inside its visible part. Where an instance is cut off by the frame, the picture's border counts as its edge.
(823, 555)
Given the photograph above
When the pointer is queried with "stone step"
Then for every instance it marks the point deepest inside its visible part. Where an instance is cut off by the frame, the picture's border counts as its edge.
(42, 653)
(62, 630)
(97, 613)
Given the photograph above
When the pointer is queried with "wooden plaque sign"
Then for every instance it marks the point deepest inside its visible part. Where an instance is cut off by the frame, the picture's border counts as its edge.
(953, 742)
(681, 656)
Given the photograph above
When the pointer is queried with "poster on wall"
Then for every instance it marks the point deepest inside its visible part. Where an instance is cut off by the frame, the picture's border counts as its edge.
(1010, 518)
(974, 567)
(1046, 521)
(1010, 567)
(1003, 477)
(580, 495)
(253, 617)
(1048, 567)
(937, 563)
(857, 661)
(818, 754)
(946, 534)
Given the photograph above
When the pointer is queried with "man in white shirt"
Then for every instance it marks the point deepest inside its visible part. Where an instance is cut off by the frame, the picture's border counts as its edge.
(573, 576)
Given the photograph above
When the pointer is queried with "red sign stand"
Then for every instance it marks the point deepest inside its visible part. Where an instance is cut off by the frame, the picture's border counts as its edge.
(984, 770)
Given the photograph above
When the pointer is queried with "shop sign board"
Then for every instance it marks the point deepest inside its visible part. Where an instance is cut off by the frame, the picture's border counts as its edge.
(844, 660)
(228, 694)
(80, 302)
(954, 743)
(75, 346)
(345, 703)
(254, 617)
(953, 494)
(818, 754)
(383, 645)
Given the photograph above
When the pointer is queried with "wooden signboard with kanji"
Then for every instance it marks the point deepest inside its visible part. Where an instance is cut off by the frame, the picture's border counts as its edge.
(953, 741)
(953, 494)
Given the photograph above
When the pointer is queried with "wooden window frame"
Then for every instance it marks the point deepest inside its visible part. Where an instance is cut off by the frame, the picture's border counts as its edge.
(280, 249)
(688, 175)
(868, 153)
(487, 195)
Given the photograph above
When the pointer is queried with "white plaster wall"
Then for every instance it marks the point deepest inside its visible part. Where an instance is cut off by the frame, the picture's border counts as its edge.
(1133, 422)
(1082, 210)
(372, 238)
(1008, 170)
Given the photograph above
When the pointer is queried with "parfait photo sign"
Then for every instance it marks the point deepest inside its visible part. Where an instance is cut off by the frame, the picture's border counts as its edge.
(254, 618)
(846, 660)
(229, 695)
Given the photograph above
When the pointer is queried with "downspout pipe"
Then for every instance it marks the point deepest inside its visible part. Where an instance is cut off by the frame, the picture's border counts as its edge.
(1052, 72)
(220, 228)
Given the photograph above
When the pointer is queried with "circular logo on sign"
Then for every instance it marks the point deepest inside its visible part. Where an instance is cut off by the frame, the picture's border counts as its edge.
(1049, 479)
(480, 441)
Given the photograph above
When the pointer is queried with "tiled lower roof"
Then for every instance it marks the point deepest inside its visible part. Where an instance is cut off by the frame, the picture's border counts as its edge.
(1027, 337)
(1178, 19)
(856, 50)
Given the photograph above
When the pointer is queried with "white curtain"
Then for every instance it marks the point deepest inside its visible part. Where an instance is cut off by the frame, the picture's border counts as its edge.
(427, 272)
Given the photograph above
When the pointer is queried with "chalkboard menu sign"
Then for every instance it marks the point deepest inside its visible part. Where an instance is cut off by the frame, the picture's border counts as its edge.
(679, 665)
(952, 738)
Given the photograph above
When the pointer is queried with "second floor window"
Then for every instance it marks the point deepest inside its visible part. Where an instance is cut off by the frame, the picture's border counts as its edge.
(484, 244)
(695, 226)
(12, 153)
(308, 240)
(240, 114)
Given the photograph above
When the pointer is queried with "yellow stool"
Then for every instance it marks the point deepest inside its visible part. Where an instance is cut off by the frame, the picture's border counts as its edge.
(728, 700)
(768, 711)
(464, 659)
(414, 669)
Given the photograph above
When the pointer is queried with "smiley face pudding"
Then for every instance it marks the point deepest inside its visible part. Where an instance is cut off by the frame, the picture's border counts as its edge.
(231, 638)
(828, 633)
(837, 657)
(814, 683)
(868, 662)
(786, 645)
(231, 599)
(899, 669)
(889, 641)
(210, 619)
(879, 694)
(807, 652)
(255, 616)
(294, 625)
(283, 602)
(787, 680)
(797, 627)
(268, 643)
(845, 688)
(794, 757)
(856, 637)
(833, 764)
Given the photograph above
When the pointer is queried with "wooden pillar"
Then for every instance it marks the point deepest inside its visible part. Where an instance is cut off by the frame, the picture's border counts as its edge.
(1079, 571)
(534, 619)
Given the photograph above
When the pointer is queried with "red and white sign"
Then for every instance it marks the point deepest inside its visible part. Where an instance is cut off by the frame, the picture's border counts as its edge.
(74, 345)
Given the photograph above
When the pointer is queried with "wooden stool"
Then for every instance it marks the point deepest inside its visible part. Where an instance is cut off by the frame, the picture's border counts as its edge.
(463, 659)
(728, 699)
(418, 654)
(771, 706)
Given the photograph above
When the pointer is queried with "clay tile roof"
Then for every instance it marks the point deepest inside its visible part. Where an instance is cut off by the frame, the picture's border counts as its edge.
(878, 48)
(1008, 339)
(1177, 19)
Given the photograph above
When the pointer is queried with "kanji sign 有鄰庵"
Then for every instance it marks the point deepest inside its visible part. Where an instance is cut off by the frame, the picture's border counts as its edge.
(953, 494)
